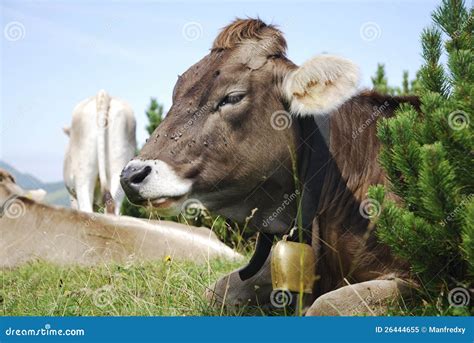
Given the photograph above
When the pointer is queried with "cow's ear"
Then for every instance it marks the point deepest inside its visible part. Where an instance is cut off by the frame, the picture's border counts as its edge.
(320, 85)
(67, 131)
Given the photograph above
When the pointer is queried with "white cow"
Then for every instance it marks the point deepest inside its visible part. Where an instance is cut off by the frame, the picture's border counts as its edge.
(102, 140)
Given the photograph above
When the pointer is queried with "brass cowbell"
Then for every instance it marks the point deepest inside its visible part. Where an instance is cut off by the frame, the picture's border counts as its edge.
(293, 267)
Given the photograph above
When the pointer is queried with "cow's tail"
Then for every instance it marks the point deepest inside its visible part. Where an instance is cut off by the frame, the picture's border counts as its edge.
(102, 103)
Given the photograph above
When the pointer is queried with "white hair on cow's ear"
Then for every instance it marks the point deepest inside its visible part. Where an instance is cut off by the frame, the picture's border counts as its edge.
(320, 85)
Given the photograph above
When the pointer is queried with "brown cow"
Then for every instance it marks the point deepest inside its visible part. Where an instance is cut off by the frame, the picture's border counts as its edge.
(240, 116)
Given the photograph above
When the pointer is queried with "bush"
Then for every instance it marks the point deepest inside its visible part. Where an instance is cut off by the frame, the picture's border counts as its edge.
(429, 161)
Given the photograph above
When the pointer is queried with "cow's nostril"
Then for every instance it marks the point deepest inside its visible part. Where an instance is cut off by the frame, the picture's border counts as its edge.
(140, 175)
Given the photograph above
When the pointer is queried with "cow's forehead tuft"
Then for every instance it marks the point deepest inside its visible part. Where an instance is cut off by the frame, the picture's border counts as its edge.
(242, 30)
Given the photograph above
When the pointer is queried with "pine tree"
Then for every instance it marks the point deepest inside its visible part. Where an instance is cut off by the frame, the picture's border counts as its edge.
(405, 84)
(154, 115)
(415, 87)
(381, 85)
(379, 80)
(429, 161)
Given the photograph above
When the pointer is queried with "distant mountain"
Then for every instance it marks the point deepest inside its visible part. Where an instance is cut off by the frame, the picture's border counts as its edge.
(26, 181)
(57, 193)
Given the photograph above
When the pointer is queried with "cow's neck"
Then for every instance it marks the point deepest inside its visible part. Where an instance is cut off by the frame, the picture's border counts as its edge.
(313, 155)
(311, 139)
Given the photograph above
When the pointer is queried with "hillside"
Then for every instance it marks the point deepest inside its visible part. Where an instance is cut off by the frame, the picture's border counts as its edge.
(57, 193)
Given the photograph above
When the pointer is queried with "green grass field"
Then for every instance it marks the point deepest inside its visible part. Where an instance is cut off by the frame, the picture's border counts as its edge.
(141, 289)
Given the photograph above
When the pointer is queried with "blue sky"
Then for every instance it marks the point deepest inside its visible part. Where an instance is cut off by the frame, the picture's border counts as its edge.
(56, 53)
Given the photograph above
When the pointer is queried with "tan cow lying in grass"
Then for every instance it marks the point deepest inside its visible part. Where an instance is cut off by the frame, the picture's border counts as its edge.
(32, 230)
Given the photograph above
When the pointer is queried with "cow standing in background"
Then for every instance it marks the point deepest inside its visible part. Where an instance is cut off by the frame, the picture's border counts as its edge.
(102, 141)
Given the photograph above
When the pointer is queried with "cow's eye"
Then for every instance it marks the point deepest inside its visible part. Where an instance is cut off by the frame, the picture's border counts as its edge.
(231, 99)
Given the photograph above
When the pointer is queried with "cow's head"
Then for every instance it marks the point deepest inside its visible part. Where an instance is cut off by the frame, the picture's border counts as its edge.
(9, 189)
(8, 186)
(227, 138)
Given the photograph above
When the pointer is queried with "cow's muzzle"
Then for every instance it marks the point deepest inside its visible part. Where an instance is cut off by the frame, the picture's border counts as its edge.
(153, 182)
(131, 179)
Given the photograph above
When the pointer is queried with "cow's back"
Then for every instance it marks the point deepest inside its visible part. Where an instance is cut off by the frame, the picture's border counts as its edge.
(102, 141)
(120, 134)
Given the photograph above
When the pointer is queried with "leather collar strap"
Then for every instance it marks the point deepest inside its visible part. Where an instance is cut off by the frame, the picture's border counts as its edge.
(260, 255)
(313, 157)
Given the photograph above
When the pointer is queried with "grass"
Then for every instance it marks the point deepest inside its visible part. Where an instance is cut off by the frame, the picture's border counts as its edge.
(142, 289)
(160, 288)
